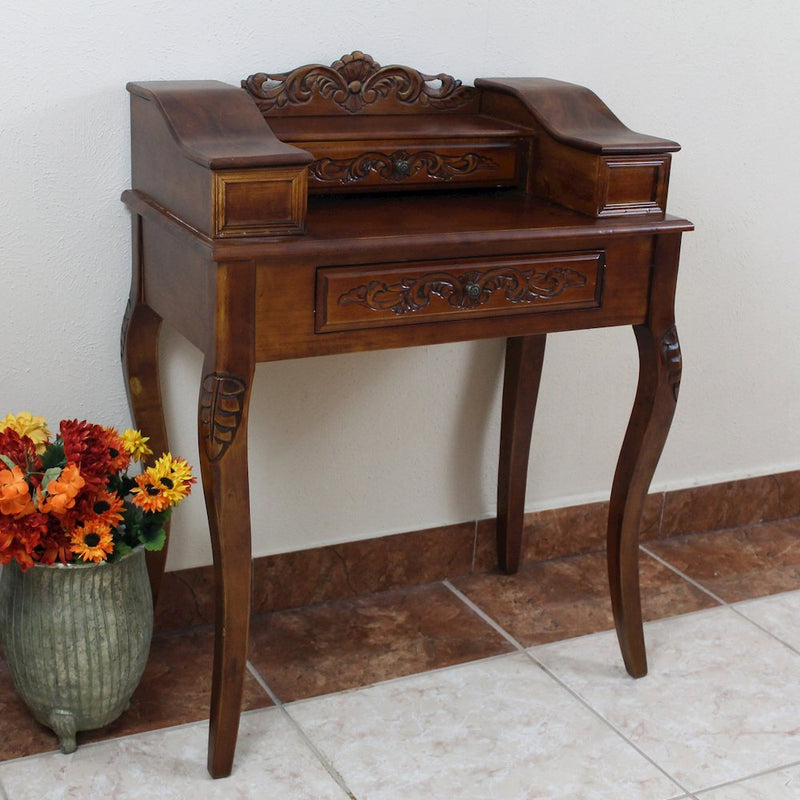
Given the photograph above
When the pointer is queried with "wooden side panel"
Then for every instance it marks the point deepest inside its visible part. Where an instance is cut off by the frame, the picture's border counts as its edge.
(175, 281)
(566, 176)
(160, 170)
(602, 186)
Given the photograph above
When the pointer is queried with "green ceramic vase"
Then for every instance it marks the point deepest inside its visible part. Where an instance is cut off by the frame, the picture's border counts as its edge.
(76, 639)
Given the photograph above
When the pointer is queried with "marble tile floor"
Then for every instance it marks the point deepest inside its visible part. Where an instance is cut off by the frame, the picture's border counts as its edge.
(486, 687)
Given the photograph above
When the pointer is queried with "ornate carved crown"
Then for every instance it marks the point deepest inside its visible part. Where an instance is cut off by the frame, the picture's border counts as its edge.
(354, 84)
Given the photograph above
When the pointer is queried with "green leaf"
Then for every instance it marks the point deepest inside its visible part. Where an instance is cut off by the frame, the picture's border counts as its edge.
(53, 455)
(120, 549)
(7, 461)
(51, 474)
(154, 540)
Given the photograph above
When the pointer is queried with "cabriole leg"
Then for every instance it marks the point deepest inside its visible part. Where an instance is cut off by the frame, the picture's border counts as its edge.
(139, 352)
(656, 396)
(222, 429)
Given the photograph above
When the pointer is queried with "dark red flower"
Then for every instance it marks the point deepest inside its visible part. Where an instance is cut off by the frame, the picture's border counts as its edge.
(86, 445)
(20, 449)
(20, 538)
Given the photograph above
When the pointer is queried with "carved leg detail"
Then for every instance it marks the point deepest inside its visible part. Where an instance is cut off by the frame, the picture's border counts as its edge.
(657, 392)
(523, 371)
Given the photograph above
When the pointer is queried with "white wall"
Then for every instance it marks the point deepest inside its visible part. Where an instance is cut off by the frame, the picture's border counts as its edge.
(354, 446)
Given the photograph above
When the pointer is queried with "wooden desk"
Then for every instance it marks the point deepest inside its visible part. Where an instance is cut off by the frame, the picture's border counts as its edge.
(358, 207)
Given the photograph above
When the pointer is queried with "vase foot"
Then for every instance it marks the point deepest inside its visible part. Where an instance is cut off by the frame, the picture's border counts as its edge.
(63, 723)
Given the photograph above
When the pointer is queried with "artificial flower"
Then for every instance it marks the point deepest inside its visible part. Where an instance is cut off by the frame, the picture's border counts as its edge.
(136, 444)
(150, 494)
(21, 534)
(119, 457)
(61, 492)
(92, 542)
(25, 424)
(174, 477)
(70, 498)
(16, 449)
(15, 494)
(108, 508)
(54, 542)
(85, 444)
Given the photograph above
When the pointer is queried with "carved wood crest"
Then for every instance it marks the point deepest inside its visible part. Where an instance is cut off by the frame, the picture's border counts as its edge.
(354, 84)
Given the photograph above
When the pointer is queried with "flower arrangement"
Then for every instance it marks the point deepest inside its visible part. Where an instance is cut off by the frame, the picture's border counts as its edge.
(69, 498)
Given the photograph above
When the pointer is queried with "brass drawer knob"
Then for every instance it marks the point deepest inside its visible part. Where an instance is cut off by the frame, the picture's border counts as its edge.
(473, 290)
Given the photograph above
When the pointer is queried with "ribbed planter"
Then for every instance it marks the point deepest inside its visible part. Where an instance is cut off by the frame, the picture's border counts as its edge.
(76, 639)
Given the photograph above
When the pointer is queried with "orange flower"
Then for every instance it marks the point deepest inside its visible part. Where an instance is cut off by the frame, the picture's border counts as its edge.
(150, 494)
(15, 496)
(120, 458)
(92, 542)
(62, 491)
(108, 507)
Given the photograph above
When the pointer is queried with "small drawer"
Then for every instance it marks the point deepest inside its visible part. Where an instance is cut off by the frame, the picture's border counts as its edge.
(348, 166)
(383, 295)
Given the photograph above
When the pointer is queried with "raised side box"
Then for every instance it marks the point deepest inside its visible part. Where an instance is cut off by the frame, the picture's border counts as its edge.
(633, 185)
(259, 202)
(383, 295)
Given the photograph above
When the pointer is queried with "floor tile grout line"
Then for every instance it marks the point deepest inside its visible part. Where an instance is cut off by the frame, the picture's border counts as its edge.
(474, 607)
(474, 546)
(758, 625)
(318, 754)
(96, 743)
(732, 606)
(586, 704)
(683, 575)
(526, 651)
(762, 773)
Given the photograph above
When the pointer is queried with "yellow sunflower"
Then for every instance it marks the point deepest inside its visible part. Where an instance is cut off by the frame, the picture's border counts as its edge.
(136, 444)
(174, 476)
(92, 542)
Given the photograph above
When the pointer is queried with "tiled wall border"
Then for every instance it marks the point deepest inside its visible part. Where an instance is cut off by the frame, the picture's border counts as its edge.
(306, 577)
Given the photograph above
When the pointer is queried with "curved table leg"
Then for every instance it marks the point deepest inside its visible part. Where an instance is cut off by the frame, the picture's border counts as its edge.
(139, 352)
(222, 429)
(656, 397)
(523, 372)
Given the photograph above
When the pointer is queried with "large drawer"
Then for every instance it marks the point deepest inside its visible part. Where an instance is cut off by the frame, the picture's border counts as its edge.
(382, 295)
